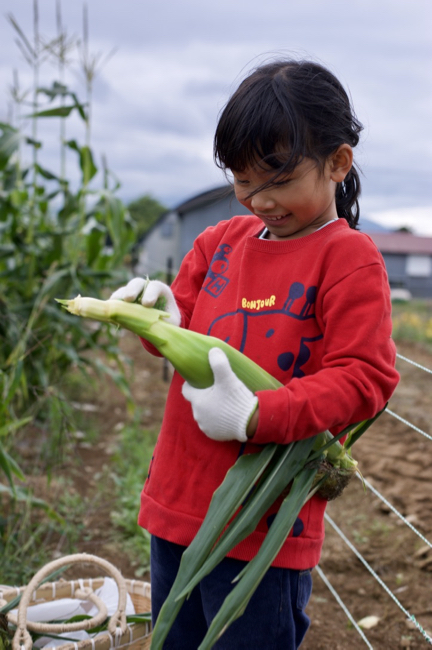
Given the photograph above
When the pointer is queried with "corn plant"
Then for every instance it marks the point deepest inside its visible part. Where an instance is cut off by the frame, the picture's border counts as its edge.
(53, 238)
(320, 463)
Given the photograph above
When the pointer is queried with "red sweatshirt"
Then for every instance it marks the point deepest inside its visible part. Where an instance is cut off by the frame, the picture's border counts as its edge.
(314, 312)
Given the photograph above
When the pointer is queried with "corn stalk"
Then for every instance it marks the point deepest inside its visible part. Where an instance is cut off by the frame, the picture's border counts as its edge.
(255, 481)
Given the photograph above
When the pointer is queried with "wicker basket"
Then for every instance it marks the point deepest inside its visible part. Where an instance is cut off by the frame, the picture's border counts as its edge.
(135, 636)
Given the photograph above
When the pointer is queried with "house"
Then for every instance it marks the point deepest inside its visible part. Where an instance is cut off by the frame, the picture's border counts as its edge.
(408, 261)
(408, 258)
(173, 235)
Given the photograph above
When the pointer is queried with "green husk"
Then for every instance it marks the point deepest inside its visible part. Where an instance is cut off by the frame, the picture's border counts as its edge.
(188, 351)
(226, 500)
(185, 349)
(251, 576)
(284, 466)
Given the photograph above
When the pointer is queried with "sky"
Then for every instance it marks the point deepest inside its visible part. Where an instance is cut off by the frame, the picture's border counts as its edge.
(166, 69)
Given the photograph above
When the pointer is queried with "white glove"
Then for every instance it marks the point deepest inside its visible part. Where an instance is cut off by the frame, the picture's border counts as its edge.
(151, 290)
(222, 411)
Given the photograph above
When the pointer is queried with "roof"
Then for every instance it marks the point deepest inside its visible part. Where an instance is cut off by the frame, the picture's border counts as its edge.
(222, 191)
(402, 243)
(387, 241)
(205, 198)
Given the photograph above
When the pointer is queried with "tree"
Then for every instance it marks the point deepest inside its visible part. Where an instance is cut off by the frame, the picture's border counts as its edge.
(145, 211)
(406, 229)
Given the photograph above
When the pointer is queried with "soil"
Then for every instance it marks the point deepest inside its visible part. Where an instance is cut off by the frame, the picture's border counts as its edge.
(392, 457)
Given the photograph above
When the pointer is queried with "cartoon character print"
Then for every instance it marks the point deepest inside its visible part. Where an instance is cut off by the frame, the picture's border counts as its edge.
(215, 280)
(257, 321)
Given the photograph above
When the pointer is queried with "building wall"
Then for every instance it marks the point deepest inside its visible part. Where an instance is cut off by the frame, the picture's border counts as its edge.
(395, 265)
(401, 277)
(197, 220)
(160, 244)
(173, 235)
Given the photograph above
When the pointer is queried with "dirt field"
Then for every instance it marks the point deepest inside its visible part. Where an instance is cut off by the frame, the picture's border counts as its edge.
(392, 457)
(396, 461)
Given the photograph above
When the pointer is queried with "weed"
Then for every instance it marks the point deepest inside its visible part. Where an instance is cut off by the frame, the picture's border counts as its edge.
(130, 463)
(29, 539)
(412, 321)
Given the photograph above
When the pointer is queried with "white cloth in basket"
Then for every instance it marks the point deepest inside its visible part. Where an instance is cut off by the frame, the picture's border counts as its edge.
(66, 608)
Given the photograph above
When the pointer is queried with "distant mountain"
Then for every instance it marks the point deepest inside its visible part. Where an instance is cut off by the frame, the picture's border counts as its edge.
(367, 225)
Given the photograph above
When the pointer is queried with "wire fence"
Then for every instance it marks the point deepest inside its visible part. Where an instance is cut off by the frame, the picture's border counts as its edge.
(416, 625)
(426, 636)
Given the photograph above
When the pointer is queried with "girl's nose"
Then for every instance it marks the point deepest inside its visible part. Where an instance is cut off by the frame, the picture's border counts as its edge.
(262, 202)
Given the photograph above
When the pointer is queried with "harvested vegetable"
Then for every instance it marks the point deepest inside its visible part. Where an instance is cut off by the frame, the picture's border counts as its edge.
(318, 464)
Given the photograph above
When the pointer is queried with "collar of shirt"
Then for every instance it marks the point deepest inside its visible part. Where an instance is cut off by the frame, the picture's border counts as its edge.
(265, 232)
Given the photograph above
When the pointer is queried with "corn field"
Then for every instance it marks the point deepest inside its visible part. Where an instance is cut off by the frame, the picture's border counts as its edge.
(57, 236)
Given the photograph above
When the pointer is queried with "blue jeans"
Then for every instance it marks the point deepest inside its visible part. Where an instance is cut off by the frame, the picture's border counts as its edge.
(273, 620)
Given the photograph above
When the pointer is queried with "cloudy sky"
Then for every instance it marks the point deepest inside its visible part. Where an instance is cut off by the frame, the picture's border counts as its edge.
(170, 67)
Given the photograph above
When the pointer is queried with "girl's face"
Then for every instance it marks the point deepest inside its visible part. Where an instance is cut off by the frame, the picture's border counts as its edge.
(295, 205)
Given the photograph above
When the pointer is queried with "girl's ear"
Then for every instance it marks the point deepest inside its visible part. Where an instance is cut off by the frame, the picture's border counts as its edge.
(341, 162)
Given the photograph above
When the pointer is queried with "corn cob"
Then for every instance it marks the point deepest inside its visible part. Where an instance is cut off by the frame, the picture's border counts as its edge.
(188, 352)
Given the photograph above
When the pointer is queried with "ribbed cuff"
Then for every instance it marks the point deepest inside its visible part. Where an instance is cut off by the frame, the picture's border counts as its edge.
(235, 416)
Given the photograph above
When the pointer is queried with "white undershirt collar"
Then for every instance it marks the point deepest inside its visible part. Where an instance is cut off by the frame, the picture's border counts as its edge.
(265, 232)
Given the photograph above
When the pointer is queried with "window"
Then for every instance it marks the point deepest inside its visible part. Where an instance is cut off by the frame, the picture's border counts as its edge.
(419, 266)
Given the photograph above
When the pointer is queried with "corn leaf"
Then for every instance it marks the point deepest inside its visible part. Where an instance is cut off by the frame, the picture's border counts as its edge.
(86, 161)
(10, 427)
(284, 466)
(60, 111)
(225, 502)
(235, 603)
(360, 429)
(9, 143)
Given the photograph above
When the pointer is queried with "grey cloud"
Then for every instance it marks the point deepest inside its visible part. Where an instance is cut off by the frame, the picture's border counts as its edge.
(156, 101)
(400, 187)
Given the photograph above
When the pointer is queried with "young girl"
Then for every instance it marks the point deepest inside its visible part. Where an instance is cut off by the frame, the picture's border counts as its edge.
(296, 288)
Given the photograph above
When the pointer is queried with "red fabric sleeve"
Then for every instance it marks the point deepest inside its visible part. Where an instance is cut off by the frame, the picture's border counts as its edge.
(187, 284)
(357, 376)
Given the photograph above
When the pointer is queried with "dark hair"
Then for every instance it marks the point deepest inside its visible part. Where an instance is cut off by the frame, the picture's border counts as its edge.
(286, 111)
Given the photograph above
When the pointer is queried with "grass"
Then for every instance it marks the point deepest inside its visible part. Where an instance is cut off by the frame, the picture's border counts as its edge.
(29, 538)
(412, 322)
(129, 469)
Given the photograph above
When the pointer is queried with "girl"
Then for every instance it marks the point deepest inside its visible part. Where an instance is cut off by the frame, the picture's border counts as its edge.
(296, 288)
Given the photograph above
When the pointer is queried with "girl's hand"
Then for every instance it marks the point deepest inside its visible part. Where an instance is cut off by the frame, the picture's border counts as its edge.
(150, 291)
(223, 411)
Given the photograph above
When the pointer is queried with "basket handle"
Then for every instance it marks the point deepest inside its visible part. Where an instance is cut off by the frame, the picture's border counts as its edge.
(116, 623)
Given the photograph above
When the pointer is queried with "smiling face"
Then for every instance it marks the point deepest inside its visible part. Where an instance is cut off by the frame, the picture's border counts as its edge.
(298, 204)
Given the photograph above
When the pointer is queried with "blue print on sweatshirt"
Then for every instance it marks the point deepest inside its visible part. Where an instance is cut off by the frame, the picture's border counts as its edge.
(215, 280)
(298, 527)
(299, 306)
(296, 530)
